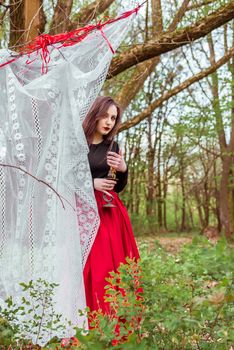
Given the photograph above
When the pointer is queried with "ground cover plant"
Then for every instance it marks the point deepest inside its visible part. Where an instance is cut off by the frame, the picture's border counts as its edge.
(188, 303)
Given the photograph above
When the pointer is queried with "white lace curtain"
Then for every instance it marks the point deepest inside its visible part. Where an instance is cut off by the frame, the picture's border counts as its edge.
(41, 132)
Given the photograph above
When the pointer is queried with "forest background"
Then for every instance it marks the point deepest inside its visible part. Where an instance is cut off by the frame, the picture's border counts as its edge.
(174, 77)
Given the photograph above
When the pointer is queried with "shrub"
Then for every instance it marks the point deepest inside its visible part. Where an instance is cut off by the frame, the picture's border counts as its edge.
(187, 303)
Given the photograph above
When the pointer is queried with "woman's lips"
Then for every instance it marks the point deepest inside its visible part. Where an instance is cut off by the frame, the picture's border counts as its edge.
(106, 129)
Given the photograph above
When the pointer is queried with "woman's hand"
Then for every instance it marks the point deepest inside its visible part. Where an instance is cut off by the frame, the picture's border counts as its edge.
(104, 185)
(116, 161)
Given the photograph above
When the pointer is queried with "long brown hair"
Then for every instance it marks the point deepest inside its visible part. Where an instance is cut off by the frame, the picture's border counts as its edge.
(98, 111)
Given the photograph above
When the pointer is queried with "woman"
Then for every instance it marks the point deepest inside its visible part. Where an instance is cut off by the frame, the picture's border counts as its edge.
(114, 241)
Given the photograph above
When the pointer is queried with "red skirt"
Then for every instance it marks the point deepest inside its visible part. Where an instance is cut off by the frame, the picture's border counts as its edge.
(113, 243)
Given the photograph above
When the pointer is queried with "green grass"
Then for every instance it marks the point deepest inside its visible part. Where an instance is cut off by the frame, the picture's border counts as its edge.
(188, 302)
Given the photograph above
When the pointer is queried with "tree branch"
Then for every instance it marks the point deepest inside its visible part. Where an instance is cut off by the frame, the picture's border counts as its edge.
(179, 15)
(143, 115)
(61, 198)
(143, 70)
(60, 20)
(197, 6)
(88, 13)
(170, 41)
(3, 14)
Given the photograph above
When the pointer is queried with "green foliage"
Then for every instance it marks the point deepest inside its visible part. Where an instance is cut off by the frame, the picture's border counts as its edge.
(6, 332)
(189, 297)
(122, 323)
(187, 303)
(37, 306)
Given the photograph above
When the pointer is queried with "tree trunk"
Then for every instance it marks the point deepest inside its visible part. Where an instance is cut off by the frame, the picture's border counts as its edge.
(227, 151)
(165, 204)
(159, 187)
(191, 216)
(199, 209)
(206, 201)
(226, 207)
(177, 209)
(27, 20)
(150, 185)
(217, 196)
(183, 208)
(61, 20)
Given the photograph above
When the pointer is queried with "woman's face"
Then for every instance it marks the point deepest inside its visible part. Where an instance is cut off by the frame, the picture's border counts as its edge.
(106, 124)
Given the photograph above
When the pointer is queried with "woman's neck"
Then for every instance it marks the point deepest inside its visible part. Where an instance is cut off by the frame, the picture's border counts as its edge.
(97, 138)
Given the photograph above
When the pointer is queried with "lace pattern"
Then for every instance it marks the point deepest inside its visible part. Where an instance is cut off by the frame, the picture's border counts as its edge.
(41, 132)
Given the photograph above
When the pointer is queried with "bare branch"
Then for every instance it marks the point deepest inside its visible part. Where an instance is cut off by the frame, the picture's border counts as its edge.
(60, 20)
(27, 20)
(90, 12)
(4, 14)
(38, 180)
(143, 115)
(199, 5)
(179, 15)
(144, 69)
(170, 41)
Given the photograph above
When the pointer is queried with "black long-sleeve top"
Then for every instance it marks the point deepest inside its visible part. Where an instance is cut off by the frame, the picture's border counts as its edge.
(98, 163)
